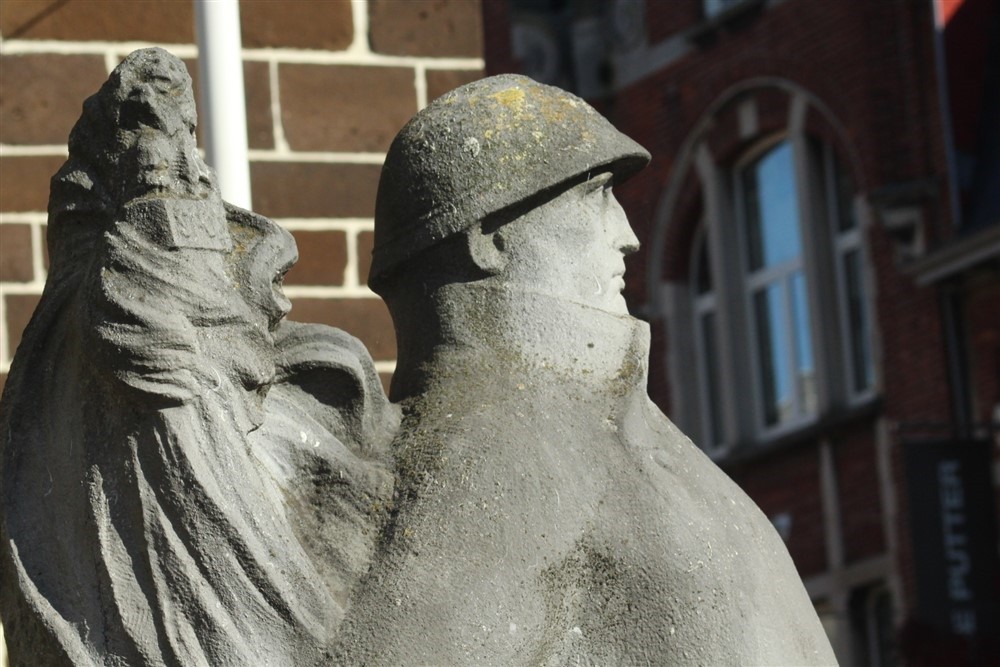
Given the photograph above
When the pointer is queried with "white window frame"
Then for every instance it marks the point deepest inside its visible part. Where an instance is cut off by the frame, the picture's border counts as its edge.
(844, 243)
(705, 304)
(754, 281)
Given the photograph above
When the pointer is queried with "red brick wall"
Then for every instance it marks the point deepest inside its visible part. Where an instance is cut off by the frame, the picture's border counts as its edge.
(789, 484)
(328, 85)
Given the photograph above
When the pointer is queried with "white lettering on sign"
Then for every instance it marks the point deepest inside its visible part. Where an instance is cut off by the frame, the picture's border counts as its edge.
(958, 560)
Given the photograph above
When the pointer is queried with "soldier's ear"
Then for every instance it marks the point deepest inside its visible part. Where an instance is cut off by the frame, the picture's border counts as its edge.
(488, 250)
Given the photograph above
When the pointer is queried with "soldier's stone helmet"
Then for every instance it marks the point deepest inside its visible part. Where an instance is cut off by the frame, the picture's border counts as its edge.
(480, 149)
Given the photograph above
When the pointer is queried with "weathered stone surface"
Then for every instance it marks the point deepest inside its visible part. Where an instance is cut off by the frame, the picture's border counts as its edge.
(546, 511)
(187, 478)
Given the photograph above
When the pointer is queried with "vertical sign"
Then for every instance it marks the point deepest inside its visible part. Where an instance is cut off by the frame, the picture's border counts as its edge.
(953, 528)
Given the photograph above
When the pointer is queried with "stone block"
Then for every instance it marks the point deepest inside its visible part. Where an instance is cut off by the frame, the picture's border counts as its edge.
(322, 258)
(108, 20)
(298, 24)
(43, 93)
(346, 109)
(314, 189)
(15, 253)
(436, 28)
(368, 319)
(26, 181)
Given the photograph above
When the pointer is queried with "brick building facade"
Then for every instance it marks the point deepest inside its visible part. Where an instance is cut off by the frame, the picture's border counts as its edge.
(328, 84)
(820, 266)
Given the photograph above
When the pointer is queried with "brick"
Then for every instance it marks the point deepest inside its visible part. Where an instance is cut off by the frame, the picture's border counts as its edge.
(663, 24)
(257, 86)
(440, 81)
(366, 241)
(15, 253)
(25, 182)
(858, 492)
(314, 189)
(426, 27)
(108, 20)
(368, 319)
(300, 24)
(353, 108)
(322, 258)
(43, 95)
(18, 309)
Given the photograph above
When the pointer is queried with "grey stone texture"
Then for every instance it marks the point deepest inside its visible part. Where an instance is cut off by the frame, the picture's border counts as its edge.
(190, 480)
(187, 479)
(546, 511)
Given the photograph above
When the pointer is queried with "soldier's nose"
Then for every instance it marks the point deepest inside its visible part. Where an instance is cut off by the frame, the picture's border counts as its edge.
(623, 238)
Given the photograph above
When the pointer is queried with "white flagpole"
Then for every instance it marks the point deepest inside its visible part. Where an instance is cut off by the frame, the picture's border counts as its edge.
(223, 113)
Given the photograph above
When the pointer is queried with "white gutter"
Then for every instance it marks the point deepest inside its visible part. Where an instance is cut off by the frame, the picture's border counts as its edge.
(223, 101)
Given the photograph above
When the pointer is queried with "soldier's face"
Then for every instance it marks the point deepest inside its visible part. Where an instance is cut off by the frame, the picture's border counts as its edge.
(573, 246)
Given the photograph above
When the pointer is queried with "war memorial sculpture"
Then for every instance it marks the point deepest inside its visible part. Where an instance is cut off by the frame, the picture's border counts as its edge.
(189, 479)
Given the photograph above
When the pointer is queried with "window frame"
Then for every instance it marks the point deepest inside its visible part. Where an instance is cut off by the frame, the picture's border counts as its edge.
(752, 281)
(711, 415)
(842, 243)
(738, 352)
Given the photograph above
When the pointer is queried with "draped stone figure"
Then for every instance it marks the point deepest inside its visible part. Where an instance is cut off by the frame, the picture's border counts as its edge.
(190, 480)
(187, 480)
(547, 513)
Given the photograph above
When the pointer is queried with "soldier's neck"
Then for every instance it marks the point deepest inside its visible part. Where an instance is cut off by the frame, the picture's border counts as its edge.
(493, 332)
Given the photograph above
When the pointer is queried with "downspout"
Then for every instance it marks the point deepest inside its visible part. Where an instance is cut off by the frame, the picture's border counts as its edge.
(944, 105)
(223, 101)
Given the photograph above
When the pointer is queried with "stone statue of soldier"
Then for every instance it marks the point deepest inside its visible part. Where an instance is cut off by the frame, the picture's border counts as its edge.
(187, 479)
(546, 511)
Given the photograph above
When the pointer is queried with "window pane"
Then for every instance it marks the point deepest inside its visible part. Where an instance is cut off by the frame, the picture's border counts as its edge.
(772, 209)
(805, 371)
(772, 348)
(844, 192)
(703, 269)
(712, 378)
(862, 371)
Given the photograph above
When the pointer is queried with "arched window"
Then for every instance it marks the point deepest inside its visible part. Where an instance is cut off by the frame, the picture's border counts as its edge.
(784, 316)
